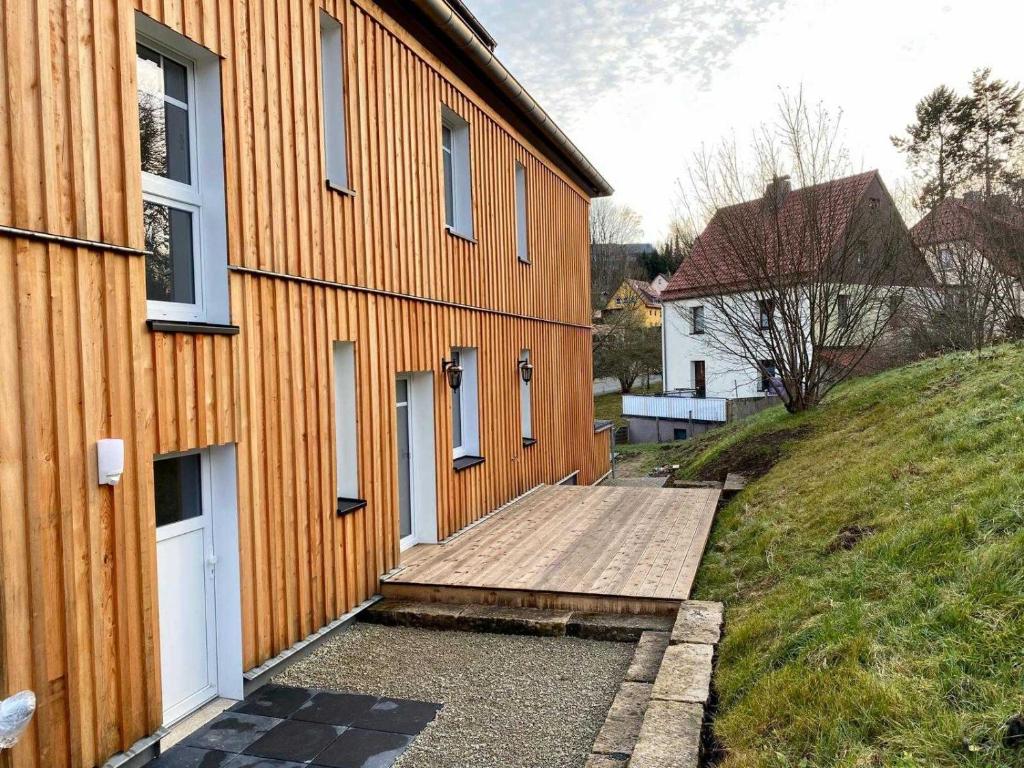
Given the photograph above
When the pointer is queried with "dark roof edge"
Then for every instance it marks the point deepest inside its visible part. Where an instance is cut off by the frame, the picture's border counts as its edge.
(446, 17)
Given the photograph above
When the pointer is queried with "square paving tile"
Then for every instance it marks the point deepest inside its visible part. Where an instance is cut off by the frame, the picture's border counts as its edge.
(251, 761)
(358, 748)
(274, 701)
(189, 757)
(335, 708)
(295, 740)
(398, 716)
(231, 732)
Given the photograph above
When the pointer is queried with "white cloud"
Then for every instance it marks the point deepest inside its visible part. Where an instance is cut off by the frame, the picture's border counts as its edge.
(640, 85)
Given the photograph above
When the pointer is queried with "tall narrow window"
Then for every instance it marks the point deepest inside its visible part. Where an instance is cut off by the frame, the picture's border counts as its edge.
(346, 439)
(465, 409)
(333, 95)
(768, 372)
(525, 404)
(766, 310)
(843, 310)
(458, 203)
(182, 166)
(522, 237)
(697, 320)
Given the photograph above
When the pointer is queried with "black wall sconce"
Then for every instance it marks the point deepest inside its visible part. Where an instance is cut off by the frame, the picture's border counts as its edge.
(526, 370)
(453, 372)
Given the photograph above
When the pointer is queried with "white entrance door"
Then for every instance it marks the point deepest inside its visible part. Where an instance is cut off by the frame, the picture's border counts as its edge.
(185, 572)
(406, 498)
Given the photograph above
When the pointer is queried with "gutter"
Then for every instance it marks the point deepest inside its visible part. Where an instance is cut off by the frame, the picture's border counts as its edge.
(466, 40)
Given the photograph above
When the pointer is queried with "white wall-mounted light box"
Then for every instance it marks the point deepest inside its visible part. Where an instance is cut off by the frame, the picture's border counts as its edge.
(109, 460)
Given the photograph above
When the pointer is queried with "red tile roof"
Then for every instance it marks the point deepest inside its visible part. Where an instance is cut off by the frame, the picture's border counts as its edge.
(996, 229)
(714, 267)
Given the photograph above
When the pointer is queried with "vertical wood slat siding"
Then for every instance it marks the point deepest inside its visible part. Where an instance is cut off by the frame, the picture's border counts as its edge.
(78, 609)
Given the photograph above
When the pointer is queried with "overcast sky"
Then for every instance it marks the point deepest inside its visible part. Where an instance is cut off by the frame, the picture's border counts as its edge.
(639, 84)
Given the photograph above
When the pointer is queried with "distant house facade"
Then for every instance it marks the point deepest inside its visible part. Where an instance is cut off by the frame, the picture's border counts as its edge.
(976, 246)
(692, 302)
(639, 297)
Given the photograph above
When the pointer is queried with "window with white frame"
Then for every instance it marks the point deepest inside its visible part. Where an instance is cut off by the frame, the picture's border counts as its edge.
(522, 232)
(843, 307)
(465, 407)
(345, 433)
(332, 53)
(697, 320)
(182, 165)
(525, 404)
(458, 202)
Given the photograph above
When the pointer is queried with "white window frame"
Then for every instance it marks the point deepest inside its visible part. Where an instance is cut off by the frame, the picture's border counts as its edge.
(204, 198)
(525, 401)
(469, 408)
(332, 94)
(346, 423)
(522, 225)
(462, 184)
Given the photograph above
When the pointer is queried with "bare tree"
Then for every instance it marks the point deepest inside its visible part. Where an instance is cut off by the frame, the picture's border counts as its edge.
(800, 285)
(613, 223)
(626, 349)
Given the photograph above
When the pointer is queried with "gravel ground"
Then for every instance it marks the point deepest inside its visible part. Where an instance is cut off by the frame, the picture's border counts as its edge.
(509, 701)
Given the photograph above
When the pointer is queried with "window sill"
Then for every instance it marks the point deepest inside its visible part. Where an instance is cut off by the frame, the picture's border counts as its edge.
(348, 506)
(460, 236)
(465, 462)
(179, 326)
(696, 333)
(528, 441)
(525, 262)
(341, 190)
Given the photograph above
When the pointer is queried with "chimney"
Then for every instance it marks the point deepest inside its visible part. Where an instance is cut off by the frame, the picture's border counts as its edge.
(775, 193)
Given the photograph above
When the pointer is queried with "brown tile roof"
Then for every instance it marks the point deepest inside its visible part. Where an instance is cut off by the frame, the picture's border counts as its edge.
(995, 228)
(645, 291)
(713, 266)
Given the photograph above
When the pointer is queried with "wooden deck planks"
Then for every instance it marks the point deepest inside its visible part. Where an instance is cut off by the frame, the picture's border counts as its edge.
(575, 540)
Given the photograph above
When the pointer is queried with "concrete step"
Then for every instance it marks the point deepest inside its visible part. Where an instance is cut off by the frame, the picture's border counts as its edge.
(516, 621)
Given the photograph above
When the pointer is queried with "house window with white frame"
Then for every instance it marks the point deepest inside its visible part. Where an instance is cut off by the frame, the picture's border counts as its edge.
(332, 53)
(182, 170)
(522, 230)
(697, 320)
(458, 203)
(465, 407)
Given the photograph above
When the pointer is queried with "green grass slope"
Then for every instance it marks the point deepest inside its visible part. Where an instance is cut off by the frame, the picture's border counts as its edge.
(874, 576)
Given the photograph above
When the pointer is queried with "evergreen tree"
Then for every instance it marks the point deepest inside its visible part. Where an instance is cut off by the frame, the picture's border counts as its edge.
(935, 145)
(990, 122)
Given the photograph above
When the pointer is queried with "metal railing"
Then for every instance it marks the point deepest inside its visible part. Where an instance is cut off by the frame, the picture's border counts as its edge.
(675, 406)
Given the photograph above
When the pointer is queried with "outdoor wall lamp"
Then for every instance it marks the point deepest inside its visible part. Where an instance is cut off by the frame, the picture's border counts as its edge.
(453, 372)
(526, 370)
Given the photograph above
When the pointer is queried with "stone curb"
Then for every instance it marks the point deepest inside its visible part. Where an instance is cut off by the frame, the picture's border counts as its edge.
(674, 670)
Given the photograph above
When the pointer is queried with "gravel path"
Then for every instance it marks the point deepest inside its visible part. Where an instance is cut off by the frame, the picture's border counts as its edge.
(509, 701)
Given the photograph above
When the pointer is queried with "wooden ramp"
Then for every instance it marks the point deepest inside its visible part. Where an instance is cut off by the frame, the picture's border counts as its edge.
(585, 548)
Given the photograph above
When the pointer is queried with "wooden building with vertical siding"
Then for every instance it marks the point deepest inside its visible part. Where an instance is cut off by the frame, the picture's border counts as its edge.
(253, 245)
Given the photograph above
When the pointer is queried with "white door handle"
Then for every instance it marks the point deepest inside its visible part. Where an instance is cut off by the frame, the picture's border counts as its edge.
(211, 561)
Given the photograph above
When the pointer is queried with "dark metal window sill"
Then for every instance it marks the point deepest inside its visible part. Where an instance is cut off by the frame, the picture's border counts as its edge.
(340, 189)
(465, 462)
(347, 506)
(455, 233)
(528, 441)
(696, 333)
(177, 326)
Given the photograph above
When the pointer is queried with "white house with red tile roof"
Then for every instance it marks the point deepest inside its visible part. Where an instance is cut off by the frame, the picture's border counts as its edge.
(713, 276)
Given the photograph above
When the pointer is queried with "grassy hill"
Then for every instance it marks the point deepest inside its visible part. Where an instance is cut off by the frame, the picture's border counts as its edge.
(874, 574)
